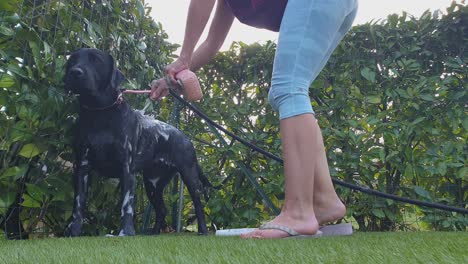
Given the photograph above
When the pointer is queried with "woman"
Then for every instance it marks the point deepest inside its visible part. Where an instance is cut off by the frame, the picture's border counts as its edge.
(309, 31)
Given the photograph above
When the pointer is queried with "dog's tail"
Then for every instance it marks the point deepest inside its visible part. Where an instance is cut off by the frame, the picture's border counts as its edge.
(207, 186)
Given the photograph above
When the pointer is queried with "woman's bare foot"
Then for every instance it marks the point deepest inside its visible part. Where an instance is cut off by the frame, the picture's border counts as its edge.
(329, 211)
(306, 226)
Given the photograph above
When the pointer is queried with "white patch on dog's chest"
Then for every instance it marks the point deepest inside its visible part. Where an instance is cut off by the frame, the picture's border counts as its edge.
(154, 182)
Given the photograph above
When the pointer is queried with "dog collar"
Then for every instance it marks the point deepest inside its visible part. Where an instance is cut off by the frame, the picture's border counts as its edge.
(118, 101)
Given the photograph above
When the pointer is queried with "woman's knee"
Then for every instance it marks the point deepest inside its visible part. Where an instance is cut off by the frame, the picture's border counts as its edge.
(290, 102)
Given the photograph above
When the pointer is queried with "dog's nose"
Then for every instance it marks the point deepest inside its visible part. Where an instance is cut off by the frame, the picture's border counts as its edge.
(77, 72)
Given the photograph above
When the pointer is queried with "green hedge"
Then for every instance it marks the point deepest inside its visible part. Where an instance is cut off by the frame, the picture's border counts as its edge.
(37, 115)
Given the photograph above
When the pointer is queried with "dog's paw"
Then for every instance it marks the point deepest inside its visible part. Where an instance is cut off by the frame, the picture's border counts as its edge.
(127, 232)
(203, 231)
(72, 230)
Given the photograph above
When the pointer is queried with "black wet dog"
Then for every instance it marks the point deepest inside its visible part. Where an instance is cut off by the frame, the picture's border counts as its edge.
(116, 141)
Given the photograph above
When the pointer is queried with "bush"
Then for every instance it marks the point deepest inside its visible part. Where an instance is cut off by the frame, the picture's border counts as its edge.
(36, 114)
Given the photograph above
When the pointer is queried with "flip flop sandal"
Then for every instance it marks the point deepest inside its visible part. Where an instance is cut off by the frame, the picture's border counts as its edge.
(234, 231)
(345, 229)
(292, 233)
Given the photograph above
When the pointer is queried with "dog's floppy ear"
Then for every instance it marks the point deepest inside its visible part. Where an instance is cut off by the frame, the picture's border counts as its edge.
(117, 77)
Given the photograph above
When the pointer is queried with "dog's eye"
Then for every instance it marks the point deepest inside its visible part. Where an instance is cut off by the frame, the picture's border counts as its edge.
(71, 61)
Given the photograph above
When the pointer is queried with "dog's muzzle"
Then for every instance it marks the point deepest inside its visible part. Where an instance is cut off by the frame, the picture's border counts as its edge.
(76, 73)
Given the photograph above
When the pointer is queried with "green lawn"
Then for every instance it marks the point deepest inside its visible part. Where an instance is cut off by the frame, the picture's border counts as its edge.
(397, 247)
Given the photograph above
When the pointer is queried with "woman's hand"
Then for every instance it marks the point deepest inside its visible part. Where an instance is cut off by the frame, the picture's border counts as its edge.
(198, 15)
(172, 69)
(160, 88)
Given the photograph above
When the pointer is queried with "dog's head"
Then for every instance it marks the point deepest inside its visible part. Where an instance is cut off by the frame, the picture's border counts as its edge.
(92, 73)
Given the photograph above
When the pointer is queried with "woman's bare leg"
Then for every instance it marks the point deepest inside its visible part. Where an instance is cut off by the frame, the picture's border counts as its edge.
(306, 180)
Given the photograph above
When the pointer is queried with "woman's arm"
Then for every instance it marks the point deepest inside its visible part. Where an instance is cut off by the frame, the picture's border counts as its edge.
(198, 15)
(219, 29)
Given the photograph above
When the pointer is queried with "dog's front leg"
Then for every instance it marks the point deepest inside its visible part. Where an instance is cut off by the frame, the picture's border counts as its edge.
(80, 179)
(128, 191)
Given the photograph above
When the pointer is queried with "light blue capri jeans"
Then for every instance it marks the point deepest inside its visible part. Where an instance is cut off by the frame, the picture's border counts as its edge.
(309, 32)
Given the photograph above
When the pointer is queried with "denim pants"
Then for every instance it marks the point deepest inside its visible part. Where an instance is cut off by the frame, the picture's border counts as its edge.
(309, 32)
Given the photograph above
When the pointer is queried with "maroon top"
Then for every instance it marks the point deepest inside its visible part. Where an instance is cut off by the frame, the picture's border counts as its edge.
(259, 13)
